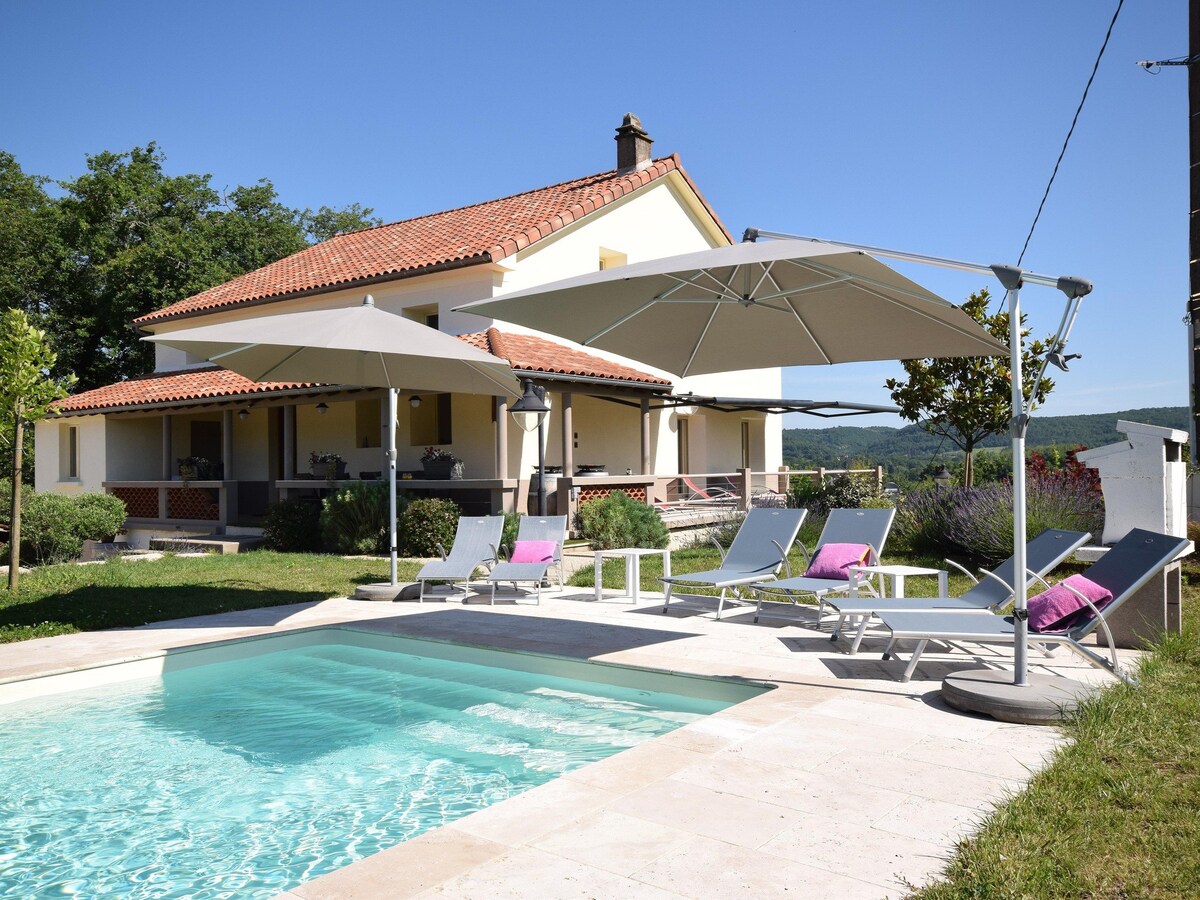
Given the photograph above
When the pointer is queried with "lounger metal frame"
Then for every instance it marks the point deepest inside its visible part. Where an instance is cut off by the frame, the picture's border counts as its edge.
(758, 551)
(1042, 554)
(476, 543)
(1125, 569)
(533, 528)
(843, 526)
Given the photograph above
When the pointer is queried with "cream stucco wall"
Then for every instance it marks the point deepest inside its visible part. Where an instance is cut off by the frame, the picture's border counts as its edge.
(50, 443)
(134, 448)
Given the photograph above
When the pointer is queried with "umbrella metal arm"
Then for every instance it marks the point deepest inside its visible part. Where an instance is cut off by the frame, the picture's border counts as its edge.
(1069, 285)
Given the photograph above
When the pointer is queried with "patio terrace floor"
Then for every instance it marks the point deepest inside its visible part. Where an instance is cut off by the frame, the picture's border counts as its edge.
(842, 782)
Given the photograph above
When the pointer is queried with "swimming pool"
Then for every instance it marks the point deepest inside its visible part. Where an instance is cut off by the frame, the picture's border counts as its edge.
(247, 769)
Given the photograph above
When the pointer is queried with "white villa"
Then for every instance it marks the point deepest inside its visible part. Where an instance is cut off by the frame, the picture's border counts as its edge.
(608, 414)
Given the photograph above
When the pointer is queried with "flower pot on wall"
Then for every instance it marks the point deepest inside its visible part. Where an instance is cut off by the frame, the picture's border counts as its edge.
(328, 470)
(438, 469)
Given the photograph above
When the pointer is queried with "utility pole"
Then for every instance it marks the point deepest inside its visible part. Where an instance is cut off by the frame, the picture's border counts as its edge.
(1193, 305)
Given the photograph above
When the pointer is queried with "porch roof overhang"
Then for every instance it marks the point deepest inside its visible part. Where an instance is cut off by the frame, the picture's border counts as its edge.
(256, 399)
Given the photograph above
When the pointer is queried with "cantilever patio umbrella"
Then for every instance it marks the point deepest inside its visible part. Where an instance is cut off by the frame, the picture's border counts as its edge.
(779, 303)
(362, 346)
(788, 302)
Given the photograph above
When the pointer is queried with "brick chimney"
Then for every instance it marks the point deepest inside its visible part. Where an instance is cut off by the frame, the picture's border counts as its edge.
(633, 145)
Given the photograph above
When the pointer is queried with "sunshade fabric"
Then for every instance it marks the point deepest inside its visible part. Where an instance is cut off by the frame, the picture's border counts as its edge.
(359, 345)
(751, 305)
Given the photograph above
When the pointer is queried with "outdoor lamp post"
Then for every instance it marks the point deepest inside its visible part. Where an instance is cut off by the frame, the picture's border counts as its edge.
(942, 477)
(529, 413)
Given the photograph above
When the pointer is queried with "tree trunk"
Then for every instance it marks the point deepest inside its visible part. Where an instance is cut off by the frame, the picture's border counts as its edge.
(14, 537)
(969, 466)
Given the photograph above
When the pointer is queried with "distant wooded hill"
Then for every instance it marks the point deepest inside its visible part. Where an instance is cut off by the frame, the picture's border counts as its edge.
(909, 448)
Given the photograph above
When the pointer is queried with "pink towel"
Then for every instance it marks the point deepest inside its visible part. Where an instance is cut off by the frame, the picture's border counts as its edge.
(833, 561)
(1058, 609)
(533, 551)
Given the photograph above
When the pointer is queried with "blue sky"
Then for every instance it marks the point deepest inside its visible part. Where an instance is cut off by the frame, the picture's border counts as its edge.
(924, 126)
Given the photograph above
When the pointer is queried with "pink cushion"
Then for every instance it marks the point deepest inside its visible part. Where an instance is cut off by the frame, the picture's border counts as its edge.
(533, 552)
(833, 561)
(1058, 609)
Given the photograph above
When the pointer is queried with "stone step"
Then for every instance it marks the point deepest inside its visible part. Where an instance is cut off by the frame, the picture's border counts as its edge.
(219, 543)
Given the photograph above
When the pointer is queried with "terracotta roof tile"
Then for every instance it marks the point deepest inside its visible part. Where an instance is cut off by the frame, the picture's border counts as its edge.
(171, 387)
(523, 351)
(469, 235)
(536, 354)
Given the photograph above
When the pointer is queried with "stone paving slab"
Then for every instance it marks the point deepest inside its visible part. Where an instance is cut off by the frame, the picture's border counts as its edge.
(840, 782)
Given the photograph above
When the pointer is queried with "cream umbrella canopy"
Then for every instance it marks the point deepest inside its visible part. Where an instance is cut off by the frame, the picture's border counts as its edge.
(751, 305)
(362, 346)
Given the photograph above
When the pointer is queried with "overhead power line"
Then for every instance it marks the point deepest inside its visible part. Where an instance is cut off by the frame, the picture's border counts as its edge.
(1071, 130)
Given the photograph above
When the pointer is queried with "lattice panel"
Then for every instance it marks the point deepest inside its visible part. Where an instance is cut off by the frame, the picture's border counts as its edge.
(192, 503)
(599, 493)
(140, 502)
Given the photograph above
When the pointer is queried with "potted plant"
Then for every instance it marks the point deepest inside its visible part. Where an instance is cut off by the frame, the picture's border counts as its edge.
(329, 466)
(591, 470)
(441, 464)
(193, 468)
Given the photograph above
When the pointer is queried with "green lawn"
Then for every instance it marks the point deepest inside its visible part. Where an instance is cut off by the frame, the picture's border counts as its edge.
(65, 599)
(1118, 812)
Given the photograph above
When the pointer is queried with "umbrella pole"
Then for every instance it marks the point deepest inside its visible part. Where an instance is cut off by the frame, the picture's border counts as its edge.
(391, 460)
(1019, 423)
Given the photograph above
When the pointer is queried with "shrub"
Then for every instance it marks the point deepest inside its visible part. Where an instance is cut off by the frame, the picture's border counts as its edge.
(427, 523)
(982, 519)
(354, 519)
(54, 526)
(99, 516)
(978, 522)
(293, 527)
(619, 521)
(840, 492)
(512, 524)
(922, 523)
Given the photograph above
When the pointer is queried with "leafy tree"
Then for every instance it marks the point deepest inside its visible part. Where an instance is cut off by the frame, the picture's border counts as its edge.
(966, 399)
(27, 236)
(125, 239)
(26, 392)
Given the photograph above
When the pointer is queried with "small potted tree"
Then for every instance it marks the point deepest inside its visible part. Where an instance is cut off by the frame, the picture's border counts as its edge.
(329, 466)
(441, 464)
(193, 468)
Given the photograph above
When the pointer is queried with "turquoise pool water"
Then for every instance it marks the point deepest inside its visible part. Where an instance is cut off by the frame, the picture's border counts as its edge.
(246, 777)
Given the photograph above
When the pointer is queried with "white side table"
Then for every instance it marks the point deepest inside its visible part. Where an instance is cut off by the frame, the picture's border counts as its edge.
(633, 568)
(897, 574)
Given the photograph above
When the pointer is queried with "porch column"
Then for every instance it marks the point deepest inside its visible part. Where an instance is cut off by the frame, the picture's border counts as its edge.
(167, 469)
(646, 436)
(501, 407)
(227, 444)
(568, 435)
(289, 442)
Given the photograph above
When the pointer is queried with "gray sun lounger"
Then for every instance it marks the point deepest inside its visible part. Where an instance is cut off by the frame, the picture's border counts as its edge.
(475, 544)
(533, 528)
(756, 554)
(1042, 555)
(843, 526)
(1123, 570)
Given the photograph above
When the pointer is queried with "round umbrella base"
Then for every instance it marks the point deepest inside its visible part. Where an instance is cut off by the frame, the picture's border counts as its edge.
(1046, 700)
(381, 592)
